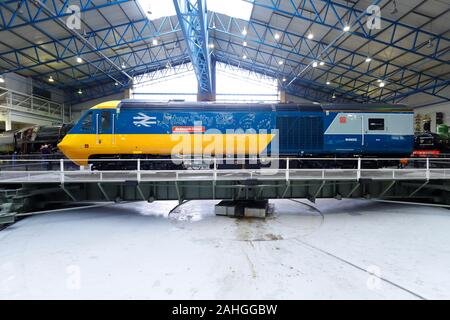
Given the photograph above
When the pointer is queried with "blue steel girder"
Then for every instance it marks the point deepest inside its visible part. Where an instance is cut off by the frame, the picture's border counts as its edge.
(137, 61)
(306, 89)
(268, 59)
(107, 88)
(173, 69)
(326, 50)
(192, 15)
(309, 91)
(386, 64)
(33, 13)
(20, 14)
(304, 48)
(68, 48)
(332, 10)
(343, 13)
(432, 88)
(275, 56)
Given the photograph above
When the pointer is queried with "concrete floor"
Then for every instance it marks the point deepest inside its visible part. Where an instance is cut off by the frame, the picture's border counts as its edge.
(343, 250)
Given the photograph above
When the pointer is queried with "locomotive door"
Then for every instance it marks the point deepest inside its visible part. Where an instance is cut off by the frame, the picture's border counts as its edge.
(105, 123)
(372, 134)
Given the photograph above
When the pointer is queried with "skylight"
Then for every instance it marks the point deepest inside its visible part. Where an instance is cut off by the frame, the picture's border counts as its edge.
(179, 83)
(234, 8)
(155, 9)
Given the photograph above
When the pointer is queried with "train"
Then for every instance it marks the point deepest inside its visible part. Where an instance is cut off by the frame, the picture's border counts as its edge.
(132, 129)
(429, 144)
(30, 139)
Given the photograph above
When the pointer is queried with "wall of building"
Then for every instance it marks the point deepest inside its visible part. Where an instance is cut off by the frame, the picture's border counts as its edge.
(25, 85)
(11, 119)
(286, 97)
(431, 112)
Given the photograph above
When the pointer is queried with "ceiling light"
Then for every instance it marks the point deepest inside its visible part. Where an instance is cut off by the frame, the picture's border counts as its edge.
(382, 84)
(244, 32)
(334, 96)
(310, 36)
(116, 84)
(50, 79)
(284, 79)
(328, 83)
(276, 36)
(346, 28)
(322, 63)
(280, 62)
(244, 57)
(79, 60)
(368, 59)
(123, 66)
(2, 80)
(211, 45)
(315, 64)
(244, 43)
(379, 80)
(155, 42)
(80, 92)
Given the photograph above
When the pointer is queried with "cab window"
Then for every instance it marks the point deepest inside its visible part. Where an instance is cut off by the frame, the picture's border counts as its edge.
(376, 124)
(105, 121)
(86, 124)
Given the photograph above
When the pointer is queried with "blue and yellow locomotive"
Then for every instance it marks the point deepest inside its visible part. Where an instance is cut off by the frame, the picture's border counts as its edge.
(143, 129)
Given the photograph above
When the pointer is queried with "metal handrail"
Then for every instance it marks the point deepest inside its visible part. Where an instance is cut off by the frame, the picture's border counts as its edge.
(216, 174)
(32, 102)
(212, 159)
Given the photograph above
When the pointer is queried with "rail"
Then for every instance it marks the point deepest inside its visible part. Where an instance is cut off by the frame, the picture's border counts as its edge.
(282, 169)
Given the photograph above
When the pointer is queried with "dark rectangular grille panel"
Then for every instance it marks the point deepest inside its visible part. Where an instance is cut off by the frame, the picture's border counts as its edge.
(300, 133)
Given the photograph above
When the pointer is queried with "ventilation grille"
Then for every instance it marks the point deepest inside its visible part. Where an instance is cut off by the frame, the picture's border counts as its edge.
(300, 133)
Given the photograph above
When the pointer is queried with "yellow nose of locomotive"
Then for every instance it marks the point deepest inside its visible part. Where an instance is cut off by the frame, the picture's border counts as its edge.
(68, 146)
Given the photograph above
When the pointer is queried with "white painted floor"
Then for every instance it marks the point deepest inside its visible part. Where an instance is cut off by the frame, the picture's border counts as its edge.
(135, 251)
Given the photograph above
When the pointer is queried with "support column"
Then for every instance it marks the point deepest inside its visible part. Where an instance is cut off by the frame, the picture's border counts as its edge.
(8, 124)
(282, 96)
(209, 96)
(193, 18)
(128, 92)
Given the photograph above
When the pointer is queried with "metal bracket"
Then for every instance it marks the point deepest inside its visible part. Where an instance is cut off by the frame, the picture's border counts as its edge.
(103, 191)
(68, 192)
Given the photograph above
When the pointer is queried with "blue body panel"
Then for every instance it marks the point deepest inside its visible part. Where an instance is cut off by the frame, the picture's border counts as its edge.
(373, 144)
(263, 120)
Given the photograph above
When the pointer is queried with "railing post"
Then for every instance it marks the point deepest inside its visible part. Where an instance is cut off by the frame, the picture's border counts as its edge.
(428, 169)
(287, 169)
(139, 170)
(61, 169)
(215, 168)
(358, 172)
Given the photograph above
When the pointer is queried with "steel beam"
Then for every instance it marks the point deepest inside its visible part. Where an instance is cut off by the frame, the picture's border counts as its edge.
(192, 15)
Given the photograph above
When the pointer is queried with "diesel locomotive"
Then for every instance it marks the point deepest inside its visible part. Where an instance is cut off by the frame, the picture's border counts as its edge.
(132, 129)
